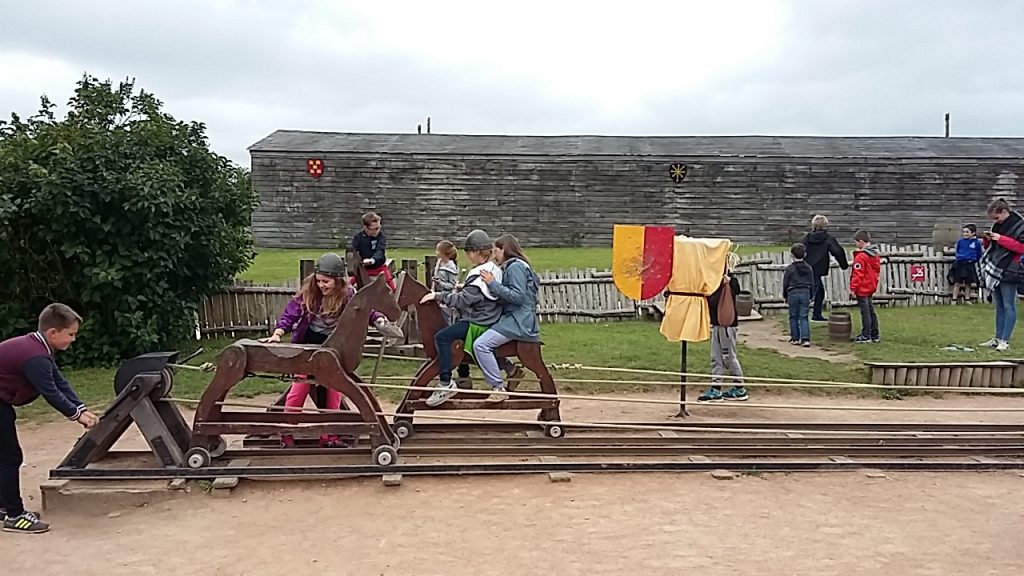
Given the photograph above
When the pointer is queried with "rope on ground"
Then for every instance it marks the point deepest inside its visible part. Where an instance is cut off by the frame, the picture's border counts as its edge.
(746, 405)
(821, 384)
(727, 378)
(599, 425)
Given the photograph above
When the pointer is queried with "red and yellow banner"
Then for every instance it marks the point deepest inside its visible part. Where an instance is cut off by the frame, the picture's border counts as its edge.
(642, 259)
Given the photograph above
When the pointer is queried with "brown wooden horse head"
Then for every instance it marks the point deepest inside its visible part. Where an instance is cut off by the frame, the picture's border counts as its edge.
(350, 334)
(429, 318)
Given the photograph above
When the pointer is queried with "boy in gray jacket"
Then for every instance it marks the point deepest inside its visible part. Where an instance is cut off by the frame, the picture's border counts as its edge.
(477, 308)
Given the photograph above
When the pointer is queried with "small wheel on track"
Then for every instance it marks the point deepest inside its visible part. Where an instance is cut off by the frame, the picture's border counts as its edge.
(385, 455)
(218, 447)
(403, 429)
(554, 431)
(197, 458)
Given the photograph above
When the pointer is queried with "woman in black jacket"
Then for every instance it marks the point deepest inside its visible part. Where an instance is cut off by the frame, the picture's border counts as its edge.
(820, 244)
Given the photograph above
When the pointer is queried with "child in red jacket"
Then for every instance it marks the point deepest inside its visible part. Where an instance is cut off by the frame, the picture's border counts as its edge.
(863, 283)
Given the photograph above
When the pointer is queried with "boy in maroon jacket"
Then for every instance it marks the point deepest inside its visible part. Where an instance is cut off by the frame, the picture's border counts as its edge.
(28, 370)
(863, 282)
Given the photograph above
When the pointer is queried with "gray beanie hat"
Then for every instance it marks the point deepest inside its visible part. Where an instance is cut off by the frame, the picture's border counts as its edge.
(478, 240)
(331, 264)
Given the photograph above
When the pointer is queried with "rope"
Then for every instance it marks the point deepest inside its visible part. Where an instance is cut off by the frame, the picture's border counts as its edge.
(745, 378)
(599, 425)
(731, 404)
(822, 384)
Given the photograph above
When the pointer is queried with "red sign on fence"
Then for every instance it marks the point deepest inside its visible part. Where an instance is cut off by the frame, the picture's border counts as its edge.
(917, 273)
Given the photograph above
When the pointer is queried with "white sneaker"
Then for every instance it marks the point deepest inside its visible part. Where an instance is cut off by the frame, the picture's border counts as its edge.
(990, 343)
(1003, 346)
(498, 395)
(389, 329)
(442, 394)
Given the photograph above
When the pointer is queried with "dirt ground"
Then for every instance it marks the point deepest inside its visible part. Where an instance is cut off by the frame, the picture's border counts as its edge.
(769, 334)
(837, 523)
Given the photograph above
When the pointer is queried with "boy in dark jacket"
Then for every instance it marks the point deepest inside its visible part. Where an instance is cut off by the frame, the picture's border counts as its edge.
(797, 283)
(863, 283)
(28, 370)
(724, 359)
(370, 245)
(820, 244)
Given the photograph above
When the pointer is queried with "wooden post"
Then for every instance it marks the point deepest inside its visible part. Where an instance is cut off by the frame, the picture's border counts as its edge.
(306, 267)
(683, 413)
(429, 262)
(411, 267)
(410, 325)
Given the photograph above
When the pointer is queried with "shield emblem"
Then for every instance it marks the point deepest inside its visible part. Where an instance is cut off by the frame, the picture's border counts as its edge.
(642, 259)
(315, 168)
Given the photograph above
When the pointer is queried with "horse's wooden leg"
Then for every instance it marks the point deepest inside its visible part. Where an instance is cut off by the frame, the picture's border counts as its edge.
(327, 367)
(231, 364)
(529, 353)
(424, 376)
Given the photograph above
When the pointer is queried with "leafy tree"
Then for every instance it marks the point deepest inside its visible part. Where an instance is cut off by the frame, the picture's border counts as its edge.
(121, 212)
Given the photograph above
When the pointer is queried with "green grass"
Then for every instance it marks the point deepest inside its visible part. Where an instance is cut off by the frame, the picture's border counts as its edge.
(909, 334)
(277, 264)
(920, 333)
(621, 344)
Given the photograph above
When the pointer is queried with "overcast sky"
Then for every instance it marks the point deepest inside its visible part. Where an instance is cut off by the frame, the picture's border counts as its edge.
(816, 67)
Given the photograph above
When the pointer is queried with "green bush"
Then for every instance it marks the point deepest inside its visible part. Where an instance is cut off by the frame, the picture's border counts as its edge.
(121, 212)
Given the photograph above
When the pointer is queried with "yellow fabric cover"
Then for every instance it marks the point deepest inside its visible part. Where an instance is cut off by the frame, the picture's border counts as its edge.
(698, 265)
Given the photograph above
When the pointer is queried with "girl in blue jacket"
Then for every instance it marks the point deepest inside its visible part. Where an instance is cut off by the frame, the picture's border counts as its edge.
(517, 292)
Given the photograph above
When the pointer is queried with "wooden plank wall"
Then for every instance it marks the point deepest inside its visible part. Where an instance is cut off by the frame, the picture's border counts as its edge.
(575, 200)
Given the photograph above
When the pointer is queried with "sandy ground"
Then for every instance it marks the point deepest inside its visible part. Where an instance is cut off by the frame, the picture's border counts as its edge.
(838, 523)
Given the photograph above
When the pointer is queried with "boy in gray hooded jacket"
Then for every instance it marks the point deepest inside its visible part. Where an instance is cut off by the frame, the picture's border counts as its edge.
(477, 308)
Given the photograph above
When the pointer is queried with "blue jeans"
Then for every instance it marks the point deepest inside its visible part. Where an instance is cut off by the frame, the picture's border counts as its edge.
(799, 327)
(1005, 299)
(819, 297)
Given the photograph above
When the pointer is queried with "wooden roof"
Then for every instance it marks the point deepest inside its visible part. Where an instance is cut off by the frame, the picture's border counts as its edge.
(726, 146)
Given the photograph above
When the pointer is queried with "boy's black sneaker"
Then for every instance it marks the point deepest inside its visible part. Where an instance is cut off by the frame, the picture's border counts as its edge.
(862, 339)
(27, 523)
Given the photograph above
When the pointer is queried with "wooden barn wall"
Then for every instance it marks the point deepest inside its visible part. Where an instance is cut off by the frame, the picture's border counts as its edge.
(558, 201)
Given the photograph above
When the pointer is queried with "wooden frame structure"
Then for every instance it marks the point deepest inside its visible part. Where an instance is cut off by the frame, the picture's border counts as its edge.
(333, 364)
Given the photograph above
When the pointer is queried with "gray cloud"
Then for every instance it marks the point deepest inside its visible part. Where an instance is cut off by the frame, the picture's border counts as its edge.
(838, 67)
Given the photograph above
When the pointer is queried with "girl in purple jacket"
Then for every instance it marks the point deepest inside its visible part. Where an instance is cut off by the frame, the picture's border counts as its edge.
(311, 317)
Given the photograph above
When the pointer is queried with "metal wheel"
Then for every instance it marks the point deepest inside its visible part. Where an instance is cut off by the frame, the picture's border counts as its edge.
(218, 447)
(554, 431)
(403, 429)
(197, 458)
(385, 455)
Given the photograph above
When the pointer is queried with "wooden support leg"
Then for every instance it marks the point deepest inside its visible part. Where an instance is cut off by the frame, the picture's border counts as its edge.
(683, 412)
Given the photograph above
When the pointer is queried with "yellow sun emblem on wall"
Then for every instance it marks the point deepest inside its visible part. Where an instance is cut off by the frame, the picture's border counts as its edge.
(677, 172)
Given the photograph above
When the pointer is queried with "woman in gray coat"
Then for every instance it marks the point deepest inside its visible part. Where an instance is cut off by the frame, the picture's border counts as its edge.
(517, 292)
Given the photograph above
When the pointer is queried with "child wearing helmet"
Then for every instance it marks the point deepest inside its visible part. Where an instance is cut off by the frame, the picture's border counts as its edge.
(477, 308)
(311, 316)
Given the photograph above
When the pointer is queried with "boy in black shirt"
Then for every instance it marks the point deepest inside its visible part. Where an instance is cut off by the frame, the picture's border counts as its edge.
(370, 245)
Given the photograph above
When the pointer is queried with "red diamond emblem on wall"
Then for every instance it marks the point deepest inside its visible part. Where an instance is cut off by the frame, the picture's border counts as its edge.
(315, 168)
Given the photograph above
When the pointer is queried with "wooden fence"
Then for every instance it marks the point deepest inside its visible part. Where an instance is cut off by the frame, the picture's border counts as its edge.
(591, 296)
(761, 274)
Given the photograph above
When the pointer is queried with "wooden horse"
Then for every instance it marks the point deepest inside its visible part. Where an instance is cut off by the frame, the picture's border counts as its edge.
(317, 393)
(430, 321)
(333, 364)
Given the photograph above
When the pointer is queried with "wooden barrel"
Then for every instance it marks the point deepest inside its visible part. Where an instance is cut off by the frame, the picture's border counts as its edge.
(744, 303)
(839, 326)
